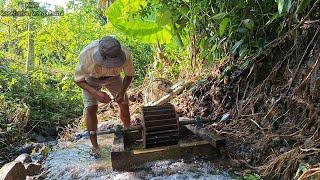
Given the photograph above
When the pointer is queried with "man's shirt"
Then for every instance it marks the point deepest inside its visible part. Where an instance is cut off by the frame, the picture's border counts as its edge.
(87, 67)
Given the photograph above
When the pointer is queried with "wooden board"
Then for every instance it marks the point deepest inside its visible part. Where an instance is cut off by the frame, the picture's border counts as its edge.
(214, 139)
(128, 160)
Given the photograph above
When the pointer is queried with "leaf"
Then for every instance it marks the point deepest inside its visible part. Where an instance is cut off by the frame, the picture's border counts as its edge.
(219, 16)
(243, 51)
(252, 176)
(163, 17)
(287, 5)
(302, 168)
(147, 30)
(248, 23)
(280, 6)
(223, 25)
(302, 6)
(275, 16)
(236, 46)
(242, 30)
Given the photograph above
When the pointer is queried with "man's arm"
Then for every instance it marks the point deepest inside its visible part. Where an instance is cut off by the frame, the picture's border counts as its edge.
(101, 96)
(84, 85)
(126, 83)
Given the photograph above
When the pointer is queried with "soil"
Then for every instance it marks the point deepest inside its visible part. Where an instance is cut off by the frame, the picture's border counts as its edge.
(267, 106)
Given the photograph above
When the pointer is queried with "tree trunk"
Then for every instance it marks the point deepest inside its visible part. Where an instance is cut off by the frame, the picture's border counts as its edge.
(30, 56)
(193, 50)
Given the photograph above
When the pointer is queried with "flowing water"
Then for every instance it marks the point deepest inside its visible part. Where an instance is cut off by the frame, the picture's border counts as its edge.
(71, 160)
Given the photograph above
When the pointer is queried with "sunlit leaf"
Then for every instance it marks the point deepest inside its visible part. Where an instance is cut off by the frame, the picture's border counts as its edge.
(223, 25)
(147, 30)
(243, 51)
(288, 5)
(236, 46)
(164, 17)
(219, 16)
(248, 23)
(280, 6)
(275, 16)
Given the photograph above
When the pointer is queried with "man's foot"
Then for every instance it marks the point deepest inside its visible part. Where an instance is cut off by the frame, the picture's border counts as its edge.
(95, 152)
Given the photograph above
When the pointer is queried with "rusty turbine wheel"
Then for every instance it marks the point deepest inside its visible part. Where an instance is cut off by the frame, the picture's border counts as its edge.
(160, 126)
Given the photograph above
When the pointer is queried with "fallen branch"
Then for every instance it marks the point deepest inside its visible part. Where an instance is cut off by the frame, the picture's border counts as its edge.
(179, 88)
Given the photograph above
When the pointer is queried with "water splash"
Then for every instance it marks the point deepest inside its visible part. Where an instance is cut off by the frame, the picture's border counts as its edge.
(71, 160)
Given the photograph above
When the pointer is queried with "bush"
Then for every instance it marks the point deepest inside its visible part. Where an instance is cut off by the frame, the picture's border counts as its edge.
(52, 99)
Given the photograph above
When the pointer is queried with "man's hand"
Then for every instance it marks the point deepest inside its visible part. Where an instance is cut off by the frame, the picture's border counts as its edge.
(120, 97)
(102, 97)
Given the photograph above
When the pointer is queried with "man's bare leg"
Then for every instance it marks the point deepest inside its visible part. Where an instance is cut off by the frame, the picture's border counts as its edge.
(91, 123)
(124, 114)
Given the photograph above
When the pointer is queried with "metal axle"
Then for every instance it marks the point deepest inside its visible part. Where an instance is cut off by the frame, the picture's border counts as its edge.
(182, 121)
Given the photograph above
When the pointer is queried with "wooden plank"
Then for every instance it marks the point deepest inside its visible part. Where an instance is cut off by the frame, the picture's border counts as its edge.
(128, 160)
(214, 139)
(118, 143)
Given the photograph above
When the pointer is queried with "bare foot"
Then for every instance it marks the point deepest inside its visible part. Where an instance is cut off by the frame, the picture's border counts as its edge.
(95, 152)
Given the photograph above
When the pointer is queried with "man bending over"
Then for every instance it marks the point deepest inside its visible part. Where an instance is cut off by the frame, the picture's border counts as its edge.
(99, 65)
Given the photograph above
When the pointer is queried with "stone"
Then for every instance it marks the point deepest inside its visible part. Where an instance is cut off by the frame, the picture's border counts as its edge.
(283, 150)
(103, 126)
(81, 135)
(36, 157)
(52, 143)
(38, 138)
(29, 178)
(225, 117)
(308, 143)
(51, 131)
(24, 149)
(313, 160)
(24, 158)
(13, 171)
(33, 169)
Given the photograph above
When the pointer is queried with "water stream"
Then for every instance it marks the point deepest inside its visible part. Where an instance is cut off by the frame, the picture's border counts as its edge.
(71, 160)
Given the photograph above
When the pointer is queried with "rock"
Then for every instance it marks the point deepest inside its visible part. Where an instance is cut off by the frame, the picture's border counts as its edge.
(283, 150)
(80, 135)
(313, 160)
(24, 149)
(13, 171)
(24, 158)
(38, 146)
(225, 117)
(51, 131)
(36, 157)
(33, 169)
(52, 143)
(38, 137)
(308, 143)
(103, 126)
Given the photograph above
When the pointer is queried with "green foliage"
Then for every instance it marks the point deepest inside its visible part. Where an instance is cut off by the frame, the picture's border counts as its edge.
(252, 176)
(303, 4)
(42, 100)
(238, 27)
(48, 97)
(153, 28)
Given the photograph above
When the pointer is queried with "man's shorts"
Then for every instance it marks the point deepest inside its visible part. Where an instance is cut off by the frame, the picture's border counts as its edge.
(113, 84)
